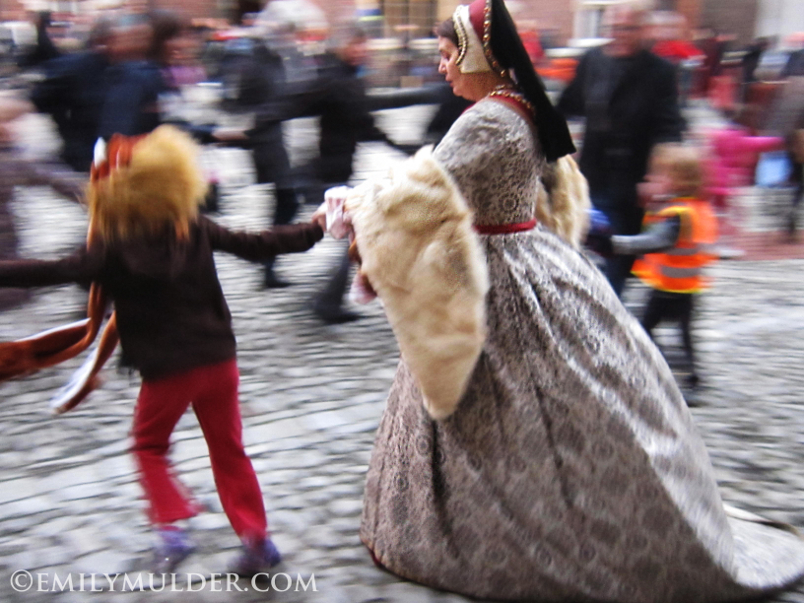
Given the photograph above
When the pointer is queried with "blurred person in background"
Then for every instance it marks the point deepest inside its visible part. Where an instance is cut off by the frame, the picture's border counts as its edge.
(671, 43)
(750, 60)
(17, 171)
(338, 96)
(786, 119)
(73, 93)
(713, 45)
(143, 83)
(258, 78)
(794, 66)
(44, 49)
(174, 49)
(629, 98)
(117, 85)
(796, 153)
(134, 80)
(263, 81)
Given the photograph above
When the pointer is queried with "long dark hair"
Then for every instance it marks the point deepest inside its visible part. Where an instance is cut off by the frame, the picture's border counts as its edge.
(166, 25)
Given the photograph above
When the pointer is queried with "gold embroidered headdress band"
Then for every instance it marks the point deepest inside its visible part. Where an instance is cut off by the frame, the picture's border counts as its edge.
(473, 51)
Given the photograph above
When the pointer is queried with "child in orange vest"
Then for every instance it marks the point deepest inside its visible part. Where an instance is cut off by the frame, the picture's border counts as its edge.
(680, 229)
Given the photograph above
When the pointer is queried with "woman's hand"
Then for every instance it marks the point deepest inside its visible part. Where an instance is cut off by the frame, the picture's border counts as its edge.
(320, 217)
(338, 223)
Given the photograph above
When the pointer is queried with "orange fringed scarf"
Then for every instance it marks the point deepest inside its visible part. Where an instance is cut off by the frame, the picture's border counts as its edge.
(51, 347)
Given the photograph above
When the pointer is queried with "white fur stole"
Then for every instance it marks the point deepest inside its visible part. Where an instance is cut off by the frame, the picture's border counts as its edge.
(414, 234)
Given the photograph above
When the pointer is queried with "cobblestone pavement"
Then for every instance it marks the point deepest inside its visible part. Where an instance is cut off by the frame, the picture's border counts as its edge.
(312, 396)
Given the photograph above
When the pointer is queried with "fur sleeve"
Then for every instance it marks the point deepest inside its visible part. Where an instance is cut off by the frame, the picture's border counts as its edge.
(414, 234)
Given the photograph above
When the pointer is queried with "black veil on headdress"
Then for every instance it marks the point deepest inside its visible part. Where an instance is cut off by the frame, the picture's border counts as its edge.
(507, 48)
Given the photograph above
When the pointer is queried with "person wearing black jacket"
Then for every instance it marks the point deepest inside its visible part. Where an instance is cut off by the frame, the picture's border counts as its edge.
(339, 97)
(109, 89)
(262, 82)
(73, 93)
(44, 50)
(629, 98)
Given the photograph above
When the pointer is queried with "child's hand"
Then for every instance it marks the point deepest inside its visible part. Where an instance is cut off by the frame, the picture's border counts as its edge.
(229, 135)
(600, 243)
(598, 239)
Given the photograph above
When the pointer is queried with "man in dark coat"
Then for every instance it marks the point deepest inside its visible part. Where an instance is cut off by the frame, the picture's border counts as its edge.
(338, 96)
(108, 89)
(263, 80)
(73, 93)
(629, 98)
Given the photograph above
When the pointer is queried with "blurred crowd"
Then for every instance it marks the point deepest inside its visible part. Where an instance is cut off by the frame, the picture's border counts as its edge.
(656, 191)
(128, 70)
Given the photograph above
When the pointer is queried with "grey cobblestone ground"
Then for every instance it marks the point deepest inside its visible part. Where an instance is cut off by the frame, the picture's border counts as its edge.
(312, 396)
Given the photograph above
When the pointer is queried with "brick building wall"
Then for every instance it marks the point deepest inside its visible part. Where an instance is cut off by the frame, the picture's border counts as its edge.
(691, 9)
(736, 17)
(11, 10)
(197, 8)
(549, 16)
(16, 9)
(544, 14)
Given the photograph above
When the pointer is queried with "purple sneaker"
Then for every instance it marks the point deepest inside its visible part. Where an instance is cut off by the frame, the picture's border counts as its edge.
(255, 558)
(174, 547)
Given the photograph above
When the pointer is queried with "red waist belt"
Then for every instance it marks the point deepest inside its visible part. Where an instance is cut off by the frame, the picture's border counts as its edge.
(493, 229)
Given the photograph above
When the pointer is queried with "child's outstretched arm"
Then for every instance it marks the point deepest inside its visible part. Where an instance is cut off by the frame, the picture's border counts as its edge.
(658, 237)
(80, 267)
(256, 247)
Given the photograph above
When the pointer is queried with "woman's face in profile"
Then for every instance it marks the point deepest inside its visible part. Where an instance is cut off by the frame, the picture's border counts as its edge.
(452, 74)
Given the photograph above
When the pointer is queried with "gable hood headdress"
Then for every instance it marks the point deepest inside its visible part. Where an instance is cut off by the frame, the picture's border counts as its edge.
(488, 41)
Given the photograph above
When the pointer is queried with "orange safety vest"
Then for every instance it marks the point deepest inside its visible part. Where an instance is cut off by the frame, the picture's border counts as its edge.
(679, 269)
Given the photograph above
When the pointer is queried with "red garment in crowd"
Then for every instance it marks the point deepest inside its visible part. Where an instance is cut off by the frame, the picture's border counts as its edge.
(530, 39)
(676, 51)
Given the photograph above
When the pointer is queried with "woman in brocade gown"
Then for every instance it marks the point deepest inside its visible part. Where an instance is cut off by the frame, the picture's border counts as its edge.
(569, 467)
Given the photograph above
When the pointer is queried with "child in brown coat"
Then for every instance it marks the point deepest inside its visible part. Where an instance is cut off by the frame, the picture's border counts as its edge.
(152, 253)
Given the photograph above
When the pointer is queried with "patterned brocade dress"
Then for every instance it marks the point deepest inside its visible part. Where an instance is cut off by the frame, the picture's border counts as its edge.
(571, 469)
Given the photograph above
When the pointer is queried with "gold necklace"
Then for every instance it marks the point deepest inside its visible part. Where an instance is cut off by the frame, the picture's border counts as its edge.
(508, 91)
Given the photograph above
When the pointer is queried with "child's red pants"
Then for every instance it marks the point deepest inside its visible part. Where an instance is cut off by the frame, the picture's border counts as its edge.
(212, 391)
